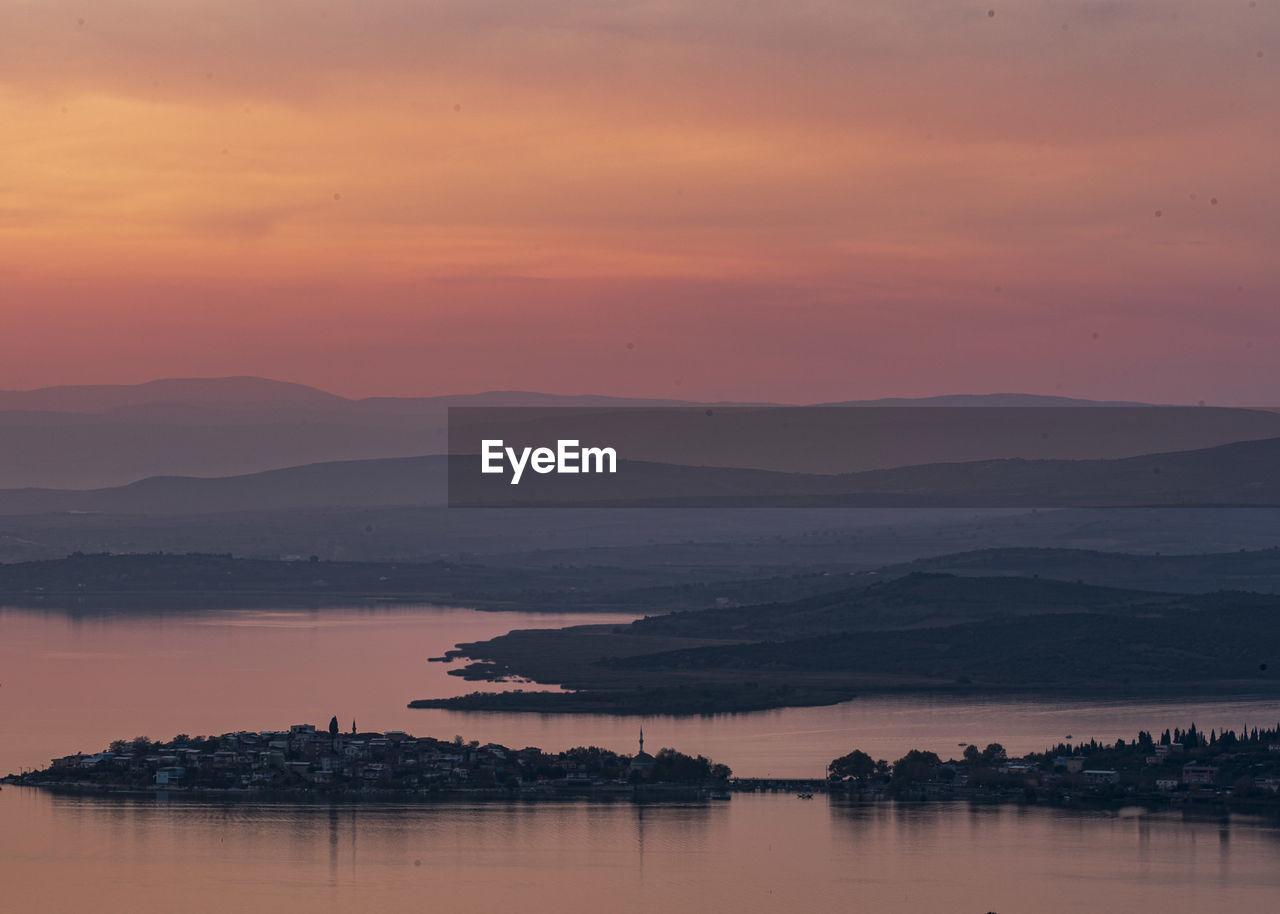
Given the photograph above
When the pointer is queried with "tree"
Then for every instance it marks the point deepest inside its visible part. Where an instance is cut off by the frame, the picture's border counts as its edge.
(857, 764)
(333, 725)
(676, 767)
(993, 753)
(915, 767)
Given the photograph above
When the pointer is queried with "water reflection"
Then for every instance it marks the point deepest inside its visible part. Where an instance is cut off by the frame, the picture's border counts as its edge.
(753, 853)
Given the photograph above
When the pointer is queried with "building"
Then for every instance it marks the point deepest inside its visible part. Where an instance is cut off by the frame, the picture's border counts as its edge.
(1101, 776)
(1194, 775)
(170, 775)
(643, 762)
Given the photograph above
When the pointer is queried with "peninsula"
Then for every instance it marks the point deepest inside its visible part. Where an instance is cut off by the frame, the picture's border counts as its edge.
(923, 631)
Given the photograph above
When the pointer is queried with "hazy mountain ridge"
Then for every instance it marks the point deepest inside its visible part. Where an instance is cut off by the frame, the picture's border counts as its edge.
(249, 391)
(94, 436)
(1242, 473)
(87, 437)
(90, 398)
(245, 390)
(359, 483)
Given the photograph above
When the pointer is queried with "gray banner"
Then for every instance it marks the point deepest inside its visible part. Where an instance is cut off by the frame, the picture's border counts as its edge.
(979, 457)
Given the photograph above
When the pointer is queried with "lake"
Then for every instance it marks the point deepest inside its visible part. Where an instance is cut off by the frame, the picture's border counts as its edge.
(764, 853)
(73, 682)
(76, 682)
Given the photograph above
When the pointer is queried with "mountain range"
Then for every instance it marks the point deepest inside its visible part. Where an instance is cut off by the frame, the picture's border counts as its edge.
(99, 436)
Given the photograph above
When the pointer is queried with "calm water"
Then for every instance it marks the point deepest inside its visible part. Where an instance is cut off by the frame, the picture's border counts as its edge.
(76, 683)
(753, 853)
(70, 683)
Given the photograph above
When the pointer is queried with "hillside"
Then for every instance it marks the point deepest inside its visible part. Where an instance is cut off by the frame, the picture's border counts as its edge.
(922, 631)
(1235, 644)
(917, 600)
(1243, 569)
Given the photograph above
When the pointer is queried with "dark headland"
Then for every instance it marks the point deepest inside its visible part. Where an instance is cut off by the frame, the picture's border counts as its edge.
(919, 632)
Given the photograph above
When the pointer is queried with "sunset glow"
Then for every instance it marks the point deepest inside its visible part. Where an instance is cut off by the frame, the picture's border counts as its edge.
(851, 200)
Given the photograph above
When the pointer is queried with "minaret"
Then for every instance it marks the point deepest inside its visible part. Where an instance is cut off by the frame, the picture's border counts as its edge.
(642, 739)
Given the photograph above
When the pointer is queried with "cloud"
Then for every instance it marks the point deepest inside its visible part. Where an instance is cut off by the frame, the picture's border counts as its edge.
(864, 158)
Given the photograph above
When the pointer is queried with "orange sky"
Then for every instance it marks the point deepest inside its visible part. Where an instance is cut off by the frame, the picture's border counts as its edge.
(788, 200)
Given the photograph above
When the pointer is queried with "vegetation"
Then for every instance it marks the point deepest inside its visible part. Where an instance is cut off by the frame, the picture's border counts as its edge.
(921, 632)
(1176, 766)
(856, 765)
(916, 767)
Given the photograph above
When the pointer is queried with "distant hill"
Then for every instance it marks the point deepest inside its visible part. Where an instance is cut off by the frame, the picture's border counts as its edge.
(1244, 473)
(247, 392)
(357, 483)
(906, 446)
(1005, 400)
(94, 398)
(93, 436)
(241, 391)
(1254, 569)
(109, 435)
(1239, 473)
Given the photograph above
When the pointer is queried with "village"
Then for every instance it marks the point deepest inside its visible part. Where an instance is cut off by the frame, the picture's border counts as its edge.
(304, 759)
(1175, 768)
(1178, 767)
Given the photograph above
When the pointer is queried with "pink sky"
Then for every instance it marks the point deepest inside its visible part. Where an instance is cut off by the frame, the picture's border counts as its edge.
(766, 200)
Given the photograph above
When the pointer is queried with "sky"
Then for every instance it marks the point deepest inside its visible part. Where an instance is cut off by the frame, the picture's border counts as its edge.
(725, 199)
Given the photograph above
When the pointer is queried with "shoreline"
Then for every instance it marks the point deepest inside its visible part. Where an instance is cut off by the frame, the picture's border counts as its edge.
(1206, 803)
(603, 792)
(692, 702)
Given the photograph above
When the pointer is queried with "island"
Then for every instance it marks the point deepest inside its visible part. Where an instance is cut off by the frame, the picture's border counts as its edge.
(324, 763)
